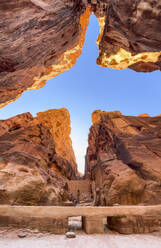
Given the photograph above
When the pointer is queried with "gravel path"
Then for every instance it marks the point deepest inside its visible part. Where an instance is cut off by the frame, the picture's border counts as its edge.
(38, 240)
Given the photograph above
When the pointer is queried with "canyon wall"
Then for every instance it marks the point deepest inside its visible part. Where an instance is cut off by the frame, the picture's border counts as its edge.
(123, 162)
(131, 35)
(43, 38)
(34, 170)
(58, 121)
(39, 40)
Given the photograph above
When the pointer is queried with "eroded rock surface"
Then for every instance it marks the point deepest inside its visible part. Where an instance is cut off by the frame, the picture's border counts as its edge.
(131, 35)
(40, 39)
(124, 163)
(32, 172)
(58, 121)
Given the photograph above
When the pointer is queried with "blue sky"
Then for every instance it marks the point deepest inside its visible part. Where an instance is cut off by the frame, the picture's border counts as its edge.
(87, 87)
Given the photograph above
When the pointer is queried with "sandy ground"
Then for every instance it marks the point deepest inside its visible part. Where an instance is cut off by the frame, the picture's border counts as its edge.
(35, 239)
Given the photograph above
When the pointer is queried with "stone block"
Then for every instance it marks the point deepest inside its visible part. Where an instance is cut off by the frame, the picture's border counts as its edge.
(55, 226)
(93, 225)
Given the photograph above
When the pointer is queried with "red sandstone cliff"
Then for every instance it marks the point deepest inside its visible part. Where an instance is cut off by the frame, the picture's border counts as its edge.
(33, 167)
(58, 121)
(124, 160)
(131, 34)
(41, 39)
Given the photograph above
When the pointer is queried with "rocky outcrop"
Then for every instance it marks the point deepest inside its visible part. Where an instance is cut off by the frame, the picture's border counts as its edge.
(124, 163)
(58, 121)
(32, 172)
(41, 39)
(131, 35)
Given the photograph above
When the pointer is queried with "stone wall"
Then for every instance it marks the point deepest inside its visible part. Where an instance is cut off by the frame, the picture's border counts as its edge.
(83, 186)
(55, 226)
(54, 219)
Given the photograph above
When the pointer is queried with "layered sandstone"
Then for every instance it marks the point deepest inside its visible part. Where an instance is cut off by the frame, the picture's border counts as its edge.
(43, 38)
(131, 34)
(39, 40)
(124, 163)
(32, 172)
(58, 121)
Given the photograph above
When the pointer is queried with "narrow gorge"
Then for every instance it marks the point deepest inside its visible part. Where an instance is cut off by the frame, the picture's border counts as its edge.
(41, 39)
(123, 164)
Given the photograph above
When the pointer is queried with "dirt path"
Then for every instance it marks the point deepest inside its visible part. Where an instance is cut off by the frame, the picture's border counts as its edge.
(9, 239)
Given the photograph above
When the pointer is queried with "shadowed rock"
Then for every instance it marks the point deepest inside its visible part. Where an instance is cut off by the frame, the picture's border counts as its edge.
(124, 162)
(39, 40)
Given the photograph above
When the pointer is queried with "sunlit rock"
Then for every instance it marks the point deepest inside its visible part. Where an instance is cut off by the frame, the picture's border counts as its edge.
(36, 159)
(38, 41)
(41, 39)
(58, 121)
(144, 115)
(131, 35)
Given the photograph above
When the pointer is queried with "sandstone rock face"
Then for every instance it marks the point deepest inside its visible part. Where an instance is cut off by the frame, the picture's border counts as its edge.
(43, 38)
(124, 163)
(131, 35)
(39, 40)
(58, 121)
(31, 170)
